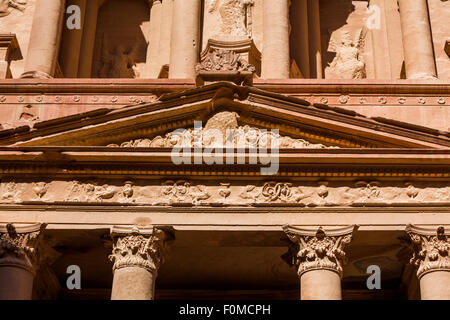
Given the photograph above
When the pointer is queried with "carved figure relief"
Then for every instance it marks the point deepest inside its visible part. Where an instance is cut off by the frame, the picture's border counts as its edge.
(349, 61)
(234, 17)
(185, 192)
(5, 6)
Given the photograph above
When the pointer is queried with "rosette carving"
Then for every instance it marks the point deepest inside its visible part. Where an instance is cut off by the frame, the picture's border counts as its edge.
(431, 249)
(19, 246)
(134, 247)
(319, 249)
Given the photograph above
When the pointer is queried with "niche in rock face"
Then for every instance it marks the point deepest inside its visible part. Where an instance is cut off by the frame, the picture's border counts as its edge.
(121, 45)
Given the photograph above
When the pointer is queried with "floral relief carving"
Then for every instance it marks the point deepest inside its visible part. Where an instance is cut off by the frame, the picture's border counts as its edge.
(20, 247)
(431, 249)
(224, 60)
(319, 249)
(136, 249)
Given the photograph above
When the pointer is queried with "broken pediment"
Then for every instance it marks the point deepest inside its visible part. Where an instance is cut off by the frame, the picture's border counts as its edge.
(224, 105)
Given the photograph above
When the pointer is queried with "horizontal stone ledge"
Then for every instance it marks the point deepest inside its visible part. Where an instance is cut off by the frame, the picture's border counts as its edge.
(374, 220)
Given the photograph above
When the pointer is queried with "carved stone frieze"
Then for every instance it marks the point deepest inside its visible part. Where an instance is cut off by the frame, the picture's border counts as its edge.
(431, 249)
(319, 249)
(138, 247)
(19, 246)
(172, 191)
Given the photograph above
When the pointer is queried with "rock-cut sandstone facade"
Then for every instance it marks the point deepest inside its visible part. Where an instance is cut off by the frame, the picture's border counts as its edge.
(94, 95)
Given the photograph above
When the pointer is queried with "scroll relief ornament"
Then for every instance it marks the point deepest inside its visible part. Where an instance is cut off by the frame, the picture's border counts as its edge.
(431, 249)
(320, 249)
(138, 249)
(19, 246)
(231, 134)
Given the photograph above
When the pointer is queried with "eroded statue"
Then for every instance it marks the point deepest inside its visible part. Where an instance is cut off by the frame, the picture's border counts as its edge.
(234, 16)
(349, 61)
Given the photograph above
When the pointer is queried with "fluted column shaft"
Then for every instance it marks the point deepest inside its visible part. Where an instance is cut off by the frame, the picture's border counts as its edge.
(431, 255)
(276, 55)
(417, 40)
(137, 255)
(320, 257)
(18, 261)
(44, 39)
(185, 39)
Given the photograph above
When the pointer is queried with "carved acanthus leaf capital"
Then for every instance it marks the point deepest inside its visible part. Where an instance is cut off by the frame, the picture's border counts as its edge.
(139, 247)
(431, 249)
(19, 245)
(319, 249)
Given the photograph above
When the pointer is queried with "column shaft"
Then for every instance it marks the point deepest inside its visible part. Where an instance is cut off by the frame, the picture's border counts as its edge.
(431, 255)
(88, 42)
(417, 41)
(44, 39)
(300, 43)
(435, 286)
(276, 55)
(315, 42)
(133, 283)
(137, 255)
(185, 43)
(153, 51)
(18, 260)
(320, 285)
(320, 257)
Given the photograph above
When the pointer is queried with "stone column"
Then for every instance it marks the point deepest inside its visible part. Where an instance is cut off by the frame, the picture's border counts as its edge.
(154, 35)
(315, 39)
(319, 255)
(276, 55)
(137, 255)
(88, 42)
(9, 51)
(18, 260)
(300, 43)
(431, 255)
(44, 39)
(185, 39)
(417, 41)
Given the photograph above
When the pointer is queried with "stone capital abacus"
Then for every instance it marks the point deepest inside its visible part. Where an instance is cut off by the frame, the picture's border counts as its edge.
(19, 246)
(320, 249)
(431, 249)
(141, 247)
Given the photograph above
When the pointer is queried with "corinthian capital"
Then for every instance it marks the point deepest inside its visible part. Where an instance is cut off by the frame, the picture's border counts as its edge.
(319, 249)
(139, 247)
(431, 249)
(19, 245)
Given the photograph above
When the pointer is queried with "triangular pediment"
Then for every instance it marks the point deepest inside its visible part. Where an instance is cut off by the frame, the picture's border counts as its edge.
(226, 106)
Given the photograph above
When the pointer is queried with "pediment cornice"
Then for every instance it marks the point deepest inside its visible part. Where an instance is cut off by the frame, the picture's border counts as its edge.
(296, 118)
